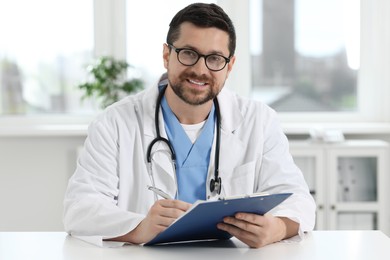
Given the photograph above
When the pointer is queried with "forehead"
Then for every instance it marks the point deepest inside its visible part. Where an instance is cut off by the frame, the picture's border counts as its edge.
(205, 40)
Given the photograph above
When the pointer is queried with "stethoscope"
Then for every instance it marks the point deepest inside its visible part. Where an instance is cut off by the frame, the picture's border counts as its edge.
(216, 182)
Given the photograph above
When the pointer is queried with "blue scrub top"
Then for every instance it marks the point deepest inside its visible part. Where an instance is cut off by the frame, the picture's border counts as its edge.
(192, 159)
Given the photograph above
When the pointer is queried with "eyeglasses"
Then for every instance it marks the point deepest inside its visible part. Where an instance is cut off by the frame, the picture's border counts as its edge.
(189, 57)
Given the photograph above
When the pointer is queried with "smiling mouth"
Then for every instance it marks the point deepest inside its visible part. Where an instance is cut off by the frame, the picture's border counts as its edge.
(199, 83)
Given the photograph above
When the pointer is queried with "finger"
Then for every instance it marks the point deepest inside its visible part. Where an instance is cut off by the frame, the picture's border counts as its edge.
(161, 216)
(169, 209)
(258, 220)
(243, 235)
(177, 204)
(171, 213)
(243, 225)
(165, 221)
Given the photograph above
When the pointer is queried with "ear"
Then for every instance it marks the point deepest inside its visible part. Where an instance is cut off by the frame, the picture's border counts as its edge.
(230, 65)
(166, 52)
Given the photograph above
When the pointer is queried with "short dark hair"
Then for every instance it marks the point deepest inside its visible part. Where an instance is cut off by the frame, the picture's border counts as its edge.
(206, 16)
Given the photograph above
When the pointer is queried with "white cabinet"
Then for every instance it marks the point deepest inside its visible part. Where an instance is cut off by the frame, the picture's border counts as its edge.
(349, 181)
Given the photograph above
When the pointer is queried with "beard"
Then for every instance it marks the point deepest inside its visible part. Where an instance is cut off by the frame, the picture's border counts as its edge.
(194, 96)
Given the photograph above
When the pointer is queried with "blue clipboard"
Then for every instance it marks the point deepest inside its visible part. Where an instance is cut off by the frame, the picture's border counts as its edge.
(200, 222)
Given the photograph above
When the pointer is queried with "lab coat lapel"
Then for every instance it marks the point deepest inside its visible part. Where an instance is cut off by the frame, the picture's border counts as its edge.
(231, 119)
(163, 172)
(231, 115)
(231, 145)
(148, 105)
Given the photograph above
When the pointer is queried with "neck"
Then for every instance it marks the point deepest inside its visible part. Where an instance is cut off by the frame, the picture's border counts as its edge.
(185, 113)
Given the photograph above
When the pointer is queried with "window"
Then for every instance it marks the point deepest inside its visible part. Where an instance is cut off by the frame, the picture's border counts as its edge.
(302, 61)
(45, 59)
(44, 49)
(331, 69)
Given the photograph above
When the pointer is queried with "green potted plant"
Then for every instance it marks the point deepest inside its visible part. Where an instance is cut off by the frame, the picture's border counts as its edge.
(109, 84)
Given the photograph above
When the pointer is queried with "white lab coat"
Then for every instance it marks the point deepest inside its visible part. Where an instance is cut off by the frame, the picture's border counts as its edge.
(107, 196)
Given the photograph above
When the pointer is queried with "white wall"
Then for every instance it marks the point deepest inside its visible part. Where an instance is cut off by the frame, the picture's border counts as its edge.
(33, 176)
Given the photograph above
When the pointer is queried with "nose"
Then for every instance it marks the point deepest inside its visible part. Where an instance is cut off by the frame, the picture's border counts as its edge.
(200, 66)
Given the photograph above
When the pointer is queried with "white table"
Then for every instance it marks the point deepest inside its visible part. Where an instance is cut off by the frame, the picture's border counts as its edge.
(329, 245)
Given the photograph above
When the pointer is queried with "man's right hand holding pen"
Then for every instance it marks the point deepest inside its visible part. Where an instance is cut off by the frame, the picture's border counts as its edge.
(160, 216)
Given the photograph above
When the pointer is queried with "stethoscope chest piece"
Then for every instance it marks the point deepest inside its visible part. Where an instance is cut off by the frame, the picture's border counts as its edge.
(216, 185)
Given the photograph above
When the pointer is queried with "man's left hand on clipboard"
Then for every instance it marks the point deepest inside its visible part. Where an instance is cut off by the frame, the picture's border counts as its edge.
(256, 230)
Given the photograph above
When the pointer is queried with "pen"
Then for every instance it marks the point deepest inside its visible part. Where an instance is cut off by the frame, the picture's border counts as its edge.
(159, 192)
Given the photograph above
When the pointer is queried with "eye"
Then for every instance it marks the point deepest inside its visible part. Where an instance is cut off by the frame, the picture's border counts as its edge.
(215, 59)
(189, 53)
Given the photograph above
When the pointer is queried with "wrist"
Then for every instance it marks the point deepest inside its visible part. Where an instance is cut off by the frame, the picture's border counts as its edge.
(289, 228)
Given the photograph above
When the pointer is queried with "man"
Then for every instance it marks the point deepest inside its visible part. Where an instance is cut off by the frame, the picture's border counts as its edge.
(107, 198)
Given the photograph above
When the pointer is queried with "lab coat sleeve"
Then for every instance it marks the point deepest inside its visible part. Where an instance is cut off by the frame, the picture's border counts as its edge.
(90, 205)
(278, 173)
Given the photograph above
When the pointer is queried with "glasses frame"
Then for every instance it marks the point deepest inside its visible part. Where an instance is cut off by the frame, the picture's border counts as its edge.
(178, 50)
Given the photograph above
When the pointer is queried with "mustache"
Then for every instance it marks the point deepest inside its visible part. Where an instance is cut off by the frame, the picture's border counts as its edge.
(195, 76)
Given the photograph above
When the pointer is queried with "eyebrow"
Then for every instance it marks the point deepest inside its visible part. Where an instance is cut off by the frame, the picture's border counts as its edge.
(196, 49)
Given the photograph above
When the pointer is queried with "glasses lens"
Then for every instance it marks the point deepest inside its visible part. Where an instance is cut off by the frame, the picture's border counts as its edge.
(215, 62)
(188, 57)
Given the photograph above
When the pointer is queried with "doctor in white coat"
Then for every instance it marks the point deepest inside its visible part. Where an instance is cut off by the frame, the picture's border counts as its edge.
(108, 199)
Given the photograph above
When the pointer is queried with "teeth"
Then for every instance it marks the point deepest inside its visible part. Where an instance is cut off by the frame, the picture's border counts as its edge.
(197, 83)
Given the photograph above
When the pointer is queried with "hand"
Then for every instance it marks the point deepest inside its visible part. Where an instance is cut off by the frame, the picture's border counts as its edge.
(160, 216)
(256, 230)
